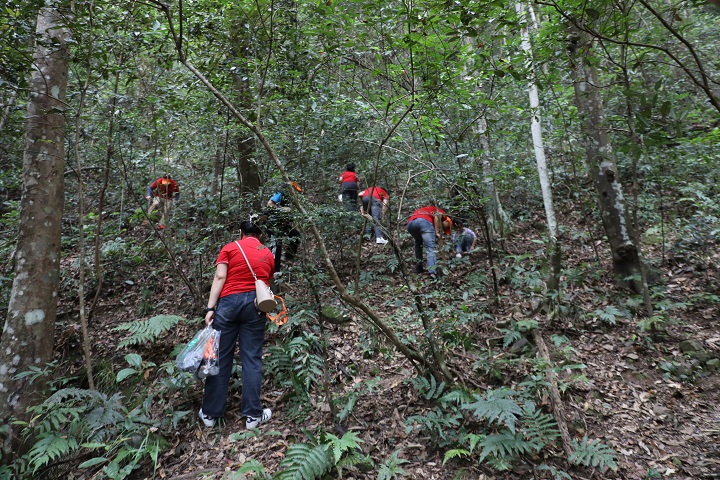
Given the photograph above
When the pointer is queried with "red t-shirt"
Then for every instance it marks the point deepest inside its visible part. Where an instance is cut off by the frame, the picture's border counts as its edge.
(239, 279)
(349, 177)
(427, 213)
(164, 187)
(377, 192)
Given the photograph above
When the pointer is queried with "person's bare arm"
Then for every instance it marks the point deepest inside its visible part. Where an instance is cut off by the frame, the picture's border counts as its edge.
(215, 289)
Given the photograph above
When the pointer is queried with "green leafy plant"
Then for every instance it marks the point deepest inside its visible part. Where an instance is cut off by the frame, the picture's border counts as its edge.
(392, 469)
(73, 420)
(608, 315)
(147, 331)
(520, 427)
(310, 461)
(137, 367)
(593, 453)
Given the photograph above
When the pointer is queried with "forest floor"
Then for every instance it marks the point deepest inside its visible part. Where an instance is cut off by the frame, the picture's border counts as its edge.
(657, 408)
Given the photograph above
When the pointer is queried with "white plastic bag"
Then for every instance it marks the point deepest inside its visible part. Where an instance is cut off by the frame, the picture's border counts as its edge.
(200, 356)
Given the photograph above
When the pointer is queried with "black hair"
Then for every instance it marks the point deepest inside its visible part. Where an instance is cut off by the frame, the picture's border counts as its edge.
(350, 167)
(249, 228)
(167, 175)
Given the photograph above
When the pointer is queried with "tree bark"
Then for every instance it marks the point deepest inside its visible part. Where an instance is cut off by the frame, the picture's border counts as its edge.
(601, 162)
(28, 337)
(536, 130)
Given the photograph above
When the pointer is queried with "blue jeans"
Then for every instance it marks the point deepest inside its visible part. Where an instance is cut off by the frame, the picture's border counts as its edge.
(239, 323)
(424, 234)
(463, 243)
(349, 196)
(375, 211)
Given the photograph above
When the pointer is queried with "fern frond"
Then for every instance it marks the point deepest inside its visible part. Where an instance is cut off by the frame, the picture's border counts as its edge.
(305, 462)
(457, 452)
(348, 442)
(496, 407)
(540, 427)
(455, 397)
(147, 331)
(501, 445)
(593, 453)
(51, 447)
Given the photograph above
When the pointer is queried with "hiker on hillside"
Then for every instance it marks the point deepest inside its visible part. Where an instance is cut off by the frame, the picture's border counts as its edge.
(349, 185)
(231, 310)
(374, 202)
(463, 238)
(427, 225)
(162, 192)
(279, 224)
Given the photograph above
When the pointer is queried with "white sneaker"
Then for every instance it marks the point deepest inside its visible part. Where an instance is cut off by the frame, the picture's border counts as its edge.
(458, 255)
(253, 422)
(380, 241)
(207, 420)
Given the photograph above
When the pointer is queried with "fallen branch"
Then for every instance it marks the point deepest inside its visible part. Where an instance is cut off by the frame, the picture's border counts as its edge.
(557, 403)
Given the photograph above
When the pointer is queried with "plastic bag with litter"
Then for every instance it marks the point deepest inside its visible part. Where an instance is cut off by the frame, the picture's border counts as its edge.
(200, 356)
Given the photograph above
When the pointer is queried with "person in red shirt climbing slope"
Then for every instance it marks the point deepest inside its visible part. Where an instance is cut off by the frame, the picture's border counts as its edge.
(427, 225)
(350, 184)
(374, 202)
(162, 192)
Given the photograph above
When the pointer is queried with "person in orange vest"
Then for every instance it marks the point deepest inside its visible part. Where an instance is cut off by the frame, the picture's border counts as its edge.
(161, 193)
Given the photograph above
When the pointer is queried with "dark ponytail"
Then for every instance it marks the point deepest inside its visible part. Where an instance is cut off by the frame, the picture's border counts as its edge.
(249, 228)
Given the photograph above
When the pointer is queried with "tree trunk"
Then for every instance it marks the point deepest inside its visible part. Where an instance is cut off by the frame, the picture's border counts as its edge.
(536, 129)
(603, 170)
(28, 336)
(247, 169)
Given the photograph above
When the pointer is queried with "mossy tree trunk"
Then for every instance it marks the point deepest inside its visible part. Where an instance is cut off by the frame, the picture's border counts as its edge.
(28, 336)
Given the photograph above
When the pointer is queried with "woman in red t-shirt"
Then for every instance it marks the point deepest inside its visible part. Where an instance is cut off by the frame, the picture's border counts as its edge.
(350, 184)
(231, 310)
(426, 225)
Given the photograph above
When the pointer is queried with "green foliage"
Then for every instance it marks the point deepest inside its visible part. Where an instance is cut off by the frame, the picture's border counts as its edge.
(593, 453)
(137, 366)
(429, 389)
(607, 315)
(391, 469)
(520, 427)
(295, 363)
(74, 420)
(310, 461)
(147, 331)
(497, 406)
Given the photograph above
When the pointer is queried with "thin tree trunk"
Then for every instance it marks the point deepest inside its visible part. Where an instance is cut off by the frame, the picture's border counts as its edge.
(5, 115)
(603, 169)
(81, 228)
(498, 220)
(536, 129)
(28, 336)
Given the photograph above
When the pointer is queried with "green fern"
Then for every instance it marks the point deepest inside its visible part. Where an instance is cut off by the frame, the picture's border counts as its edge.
(305, 462)
(454, 453)
(339, 446)
(539, 427)
(501, 445)
(391, 469)
(51, 447)
(147, 331)
(593, 453)
(498, 406)
(430, 389)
